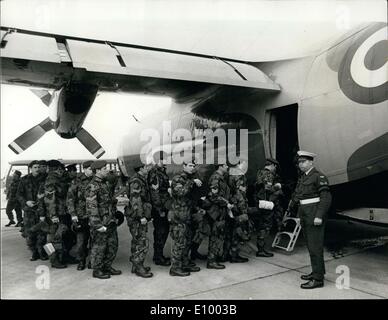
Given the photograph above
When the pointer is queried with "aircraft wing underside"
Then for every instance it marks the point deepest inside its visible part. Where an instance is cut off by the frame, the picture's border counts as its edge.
(46, 60)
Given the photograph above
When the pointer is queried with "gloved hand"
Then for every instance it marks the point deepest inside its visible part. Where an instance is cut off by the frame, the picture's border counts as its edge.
(30, 203)
(102, 229)
(143, 221)
(55, 219)
(317, 221)
(74, 218)
(42, 218)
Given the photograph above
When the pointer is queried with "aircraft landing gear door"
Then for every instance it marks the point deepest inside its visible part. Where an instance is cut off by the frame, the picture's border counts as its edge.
(282, 140)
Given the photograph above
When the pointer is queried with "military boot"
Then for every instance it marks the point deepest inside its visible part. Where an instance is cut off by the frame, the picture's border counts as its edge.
(35, 255)
(19, 224)
(174, 271)
(146, 268)
(191, 268)
(100, 274)
(162, 261)
(113, 272)
(195, 254)
(142, 272)
(55, 262)
(214, 265)
(263, 253)
(10, 223)
(42, 254)
(238, 259)
(89, 265)
(81, 265)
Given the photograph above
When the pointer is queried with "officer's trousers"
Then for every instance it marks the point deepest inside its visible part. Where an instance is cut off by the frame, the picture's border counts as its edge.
(314, 236)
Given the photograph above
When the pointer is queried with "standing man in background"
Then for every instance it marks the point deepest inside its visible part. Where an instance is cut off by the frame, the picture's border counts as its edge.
(13, 203)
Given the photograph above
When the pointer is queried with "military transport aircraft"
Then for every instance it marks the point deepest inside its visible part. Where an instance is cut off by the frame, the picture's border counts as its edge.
(333, 103)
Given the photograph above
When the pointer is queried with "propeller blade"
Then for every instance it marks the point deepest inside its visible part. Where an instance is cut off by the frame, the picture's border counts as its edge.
(43, 95)
(29, 137)
(90, 143)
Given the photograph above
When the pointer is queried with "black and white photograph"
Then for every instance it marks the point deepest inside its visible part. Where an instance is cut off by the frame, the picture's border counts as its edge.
(194, 150)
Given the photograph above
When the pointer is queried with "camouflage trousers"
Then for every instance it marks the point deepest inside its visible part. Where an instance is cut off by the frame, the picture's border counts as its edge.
(11, 206)
(83, 236)
(216, 240)
(35, 239)
(104, 249)
(140, 242)
(181, 235)
(56, 236)
(161, 230)
(240, 235)
(200, 231)
(263, 224)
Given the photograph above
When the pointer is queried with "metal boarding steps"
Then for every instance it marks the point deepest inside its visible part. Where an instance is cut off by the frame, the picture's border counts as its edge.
(286, 239)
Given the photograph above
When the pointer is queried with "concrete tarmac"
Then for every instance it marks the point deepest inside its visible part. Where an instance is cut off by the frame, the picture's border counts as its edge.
(261, 278)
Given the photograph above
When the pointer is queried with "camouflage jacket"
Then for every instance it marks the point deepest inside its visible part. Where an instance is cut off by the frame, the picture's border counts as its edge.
(100, 205)
(237, 180)
(265, 185)
(54, 199)
(13, 189)
(182, 205)
(139, 198)
(28, 190)
(223, 195)
(76, 202)
(160, 198)
(240, 202)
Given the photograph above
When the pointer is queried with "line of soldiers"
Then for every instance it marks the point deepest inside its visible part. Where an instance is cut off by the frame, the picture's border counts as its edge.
(63, 209)
(222, 215)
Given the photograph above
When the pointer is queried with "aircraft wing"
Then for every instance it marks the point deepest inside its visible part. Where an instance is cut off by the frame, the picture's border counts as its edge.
(48, 60)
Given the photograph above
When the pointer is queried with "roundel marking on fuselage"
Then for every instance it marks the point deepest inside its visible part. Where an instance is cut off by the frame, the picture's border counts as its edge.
(362, 77)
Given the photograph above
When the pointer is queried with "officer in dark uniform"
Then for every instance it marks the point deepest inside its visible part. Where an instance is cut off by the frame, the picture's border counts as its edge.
(312, 194)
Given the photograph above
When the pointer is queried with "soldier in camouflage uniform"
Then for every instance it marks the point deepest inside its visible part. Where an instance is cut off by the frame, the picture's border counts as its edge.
(267, 189)
(180, 218)
(138, 214)
(100, 208)
(28, 195)
(240, 224)
(219, 198)
(53, 210)
(13, 203)
(76, 205)
(159, 184)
